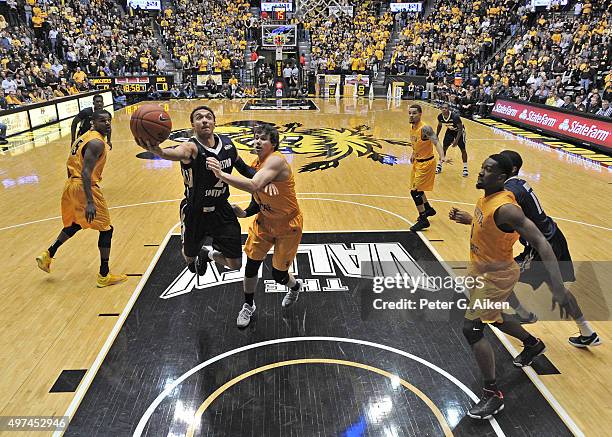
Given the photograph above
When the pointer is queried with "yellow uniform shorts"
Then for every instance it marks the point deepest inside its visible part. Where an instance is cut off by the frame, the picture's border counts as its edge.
(491, 288)
(74, 202)
(423, 175)
(284, 235)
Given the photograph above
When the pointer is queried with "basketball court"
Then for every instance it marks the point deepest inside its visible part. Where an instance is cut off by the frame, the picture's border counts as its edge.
(161, 355)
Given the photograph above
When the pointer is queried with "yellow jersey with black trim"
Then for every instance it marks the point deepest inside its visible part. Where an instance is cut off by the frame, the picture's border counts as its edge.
(423, 149)
(74, 164)
(282, 206)
(490, 247)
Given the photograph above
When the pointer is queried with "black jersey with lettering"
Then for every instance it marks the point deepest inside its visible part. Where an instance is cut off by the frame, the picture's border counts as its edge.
(531, 206)
(202, 188)
(452, 123)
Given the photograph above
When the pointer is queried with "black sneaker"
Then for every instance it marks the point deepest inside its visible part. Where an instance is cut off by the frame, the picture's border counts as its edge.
(422, 223)
(529, 353)
(531, 318)
(584, 341)
(201, 262)
(489, 404)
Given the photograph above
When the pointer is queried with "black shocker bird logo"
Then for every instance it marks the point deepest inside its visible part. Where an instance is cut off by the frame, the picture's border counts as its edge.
(326, 146)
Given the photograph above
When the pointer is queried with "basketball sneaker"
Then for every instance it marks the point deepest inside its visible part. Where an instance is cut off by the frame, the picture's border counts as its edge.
(292, 296)
(531, 318)
(201, 262)
(44, 261)
(465, 173)
(491, 403)
(529, 353)
(245, 314)
(110, 279)
(421, 223)
(585, 341)
(438, 168)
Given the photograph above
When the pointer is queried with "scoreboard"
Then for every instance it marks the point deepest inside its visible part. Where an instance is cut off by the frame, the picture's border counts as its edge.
(134, 84)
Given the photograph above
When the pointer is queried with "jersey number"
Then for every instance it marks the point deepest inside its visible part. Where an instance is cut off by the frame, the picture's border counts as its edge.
(75, 147)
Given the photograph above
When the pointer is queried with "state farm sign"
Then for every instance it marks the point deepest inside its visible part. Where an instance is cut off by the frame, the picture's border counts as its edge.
(556, 122)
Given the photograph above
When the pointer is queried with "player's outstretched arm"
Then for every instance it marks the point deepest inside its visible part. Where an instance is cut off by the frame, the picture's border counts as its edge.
(270, 170)
(513, 216)
(184, 152)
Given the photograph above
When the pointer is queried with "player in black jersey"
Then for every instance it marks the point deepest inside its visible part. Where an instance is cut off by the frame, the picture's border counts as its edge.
(533, 271)
(205, 210)
(454, 136)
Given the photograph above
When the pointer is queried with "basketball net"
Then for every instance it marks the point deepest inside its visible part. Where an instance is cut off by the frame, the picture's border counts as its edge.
(279, 42)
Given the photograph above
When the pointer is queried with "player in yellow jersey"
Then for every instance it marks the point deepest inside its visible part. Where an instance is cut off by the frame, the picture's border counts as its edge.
(278, 222)
(423, 139)
(83, 205)
(496, 225)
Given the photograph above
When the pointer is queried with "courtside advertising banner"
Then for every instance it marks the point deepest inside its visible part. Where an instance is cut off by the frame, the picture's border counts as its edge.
(584, 128)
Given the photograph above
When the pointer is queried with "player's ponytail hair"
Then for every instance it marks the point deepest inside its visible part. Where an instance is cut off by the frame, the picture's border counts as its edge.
(270, 131)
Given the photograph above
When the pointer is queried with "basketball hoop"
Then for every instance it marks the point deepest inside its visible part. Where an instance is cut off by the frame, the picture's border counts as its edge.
(279, 42)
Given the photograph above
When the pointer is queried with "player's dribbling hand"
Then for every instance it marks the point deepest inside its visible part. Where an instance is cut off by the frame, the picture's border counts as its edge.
(271, 190)
(567, 303)
(90, 212)
(462, 217)
(240, 213)
(213, 165)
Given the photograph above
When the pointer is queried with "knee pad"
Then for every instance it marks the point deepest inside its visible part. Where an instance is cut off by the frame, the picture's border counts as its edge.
(72, 229)
(280, 276)
(473, 331)
(252, 268)
(104, 240)
(417, 196)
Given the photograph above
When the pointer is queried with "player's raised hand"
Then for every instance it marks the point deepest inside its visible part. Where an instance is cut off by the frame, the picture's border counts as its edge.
(271, 190)
(214, 166)
(459, 216)
(148, 145)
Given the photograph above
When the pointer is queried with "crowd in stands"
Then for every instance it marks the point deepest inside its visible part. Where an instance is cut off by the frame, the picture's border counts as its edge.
(561, 59)
(349, 44)
(49, 48)
(208, 37)
(455, 38)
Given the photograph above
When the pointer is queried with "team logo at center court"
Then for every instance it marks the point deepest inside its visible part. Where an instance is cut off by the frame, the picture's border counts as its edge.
(327, 146)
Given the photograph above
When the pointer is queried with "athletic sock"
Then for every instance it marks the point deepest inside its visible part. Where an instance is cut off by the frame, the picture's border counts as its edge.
(522, 312)
(248, 298)
(465, 166)
(585, 327)
(53, 248)
(530, 341)
(491, 385)
(104, 267)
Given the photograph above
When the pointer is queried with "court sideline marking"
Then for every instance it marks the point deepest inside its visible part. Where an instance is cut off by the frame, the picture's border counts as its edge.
(19, 225)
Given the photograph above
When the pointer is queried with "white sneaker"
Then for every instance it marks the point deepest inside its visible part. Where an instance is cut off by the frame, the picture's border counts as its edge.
(244, 316)
(292, 296)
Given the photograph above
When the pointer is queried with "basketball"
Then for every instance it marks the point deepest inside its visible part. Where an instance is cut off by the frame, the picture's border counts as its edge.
(151, 122)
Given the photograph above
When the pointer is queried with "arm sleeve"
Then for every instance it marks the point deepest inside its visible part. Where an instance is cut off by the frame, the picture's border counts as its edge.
(253, 208)
(244, 169)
